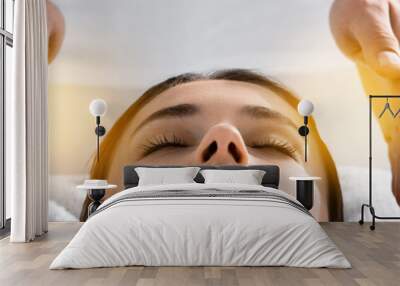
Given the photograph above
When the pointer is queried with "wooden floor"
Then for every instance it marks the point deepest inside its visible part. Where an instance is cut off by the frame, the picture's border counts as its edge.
(375, 257)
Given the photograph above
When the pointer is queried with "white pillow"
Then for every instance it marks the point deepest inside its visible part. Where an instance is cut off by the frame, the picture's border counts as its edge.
(163, 176)
(248, 177)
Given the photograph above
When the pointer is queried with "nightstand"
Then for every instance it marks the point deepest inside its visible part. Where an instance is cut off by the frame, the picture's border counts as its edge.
(305, 190)
(96, 189)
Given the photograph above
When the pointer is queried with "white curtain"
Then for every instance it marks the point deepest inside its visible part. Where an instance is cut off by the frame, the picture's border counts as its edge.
(26, 123)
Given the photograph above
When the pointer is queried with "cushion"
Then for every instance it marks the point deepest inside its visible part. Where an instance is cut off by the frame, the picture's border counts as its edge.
(247, 177)
(162, 176)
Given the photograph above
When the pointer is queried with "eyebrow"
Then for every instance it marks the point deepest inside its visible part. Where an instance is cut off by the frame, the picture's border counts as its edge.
(180, 110)
(187, 110)
(262, 112)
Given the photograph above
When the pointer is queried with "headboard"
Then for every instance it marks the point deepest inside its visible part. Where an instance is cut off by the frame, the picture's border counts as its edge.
(270, 179)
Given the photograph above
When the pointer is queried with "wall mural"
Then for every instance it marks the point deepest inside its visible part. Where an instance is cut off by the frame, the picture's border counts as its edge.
(205, 82)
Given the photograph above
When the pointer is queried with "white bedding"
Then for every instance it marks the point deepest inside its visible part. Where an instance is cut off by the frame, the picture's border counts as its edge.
(183, 231)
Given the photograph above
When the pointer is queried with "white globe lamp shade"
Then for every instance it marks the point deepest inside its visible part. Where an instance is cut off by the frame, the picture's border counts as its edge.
(305, 107)
(98, 107)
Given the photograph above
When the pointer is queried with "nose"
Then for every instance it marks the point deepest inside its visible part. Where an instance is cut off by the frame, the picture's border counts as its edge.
(222, 145)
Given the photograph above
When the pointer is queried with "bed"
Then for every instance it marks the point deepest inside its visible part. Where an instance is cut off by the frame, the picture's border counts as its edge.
(201, 224)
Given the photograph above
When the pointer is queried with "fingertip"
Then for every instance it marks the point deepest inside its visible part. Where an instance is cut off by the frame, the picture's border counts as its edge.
(388, 59)
(388, 64)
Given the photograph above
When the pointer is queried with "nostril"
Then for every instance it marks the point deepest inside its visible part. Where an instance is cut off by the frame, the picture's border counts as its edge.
(210, 150)
(234, 152)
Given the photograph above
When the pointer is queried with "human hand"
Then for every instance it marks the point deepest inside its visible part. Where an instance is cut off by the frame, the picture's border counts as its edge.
(368, 32)
(55, 30)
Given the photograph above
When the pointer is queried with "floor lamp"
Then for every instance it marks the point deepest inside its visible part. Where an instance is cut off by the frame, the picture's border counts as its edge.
(387, 108)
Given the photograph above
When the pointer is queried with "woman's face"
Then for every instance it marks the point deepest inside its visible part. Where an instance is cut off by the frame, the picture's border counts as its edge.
(217, 122)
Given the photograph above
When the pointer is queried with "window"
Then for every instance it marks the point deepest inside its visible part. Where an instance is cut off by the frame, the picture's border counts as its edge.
(6, 43)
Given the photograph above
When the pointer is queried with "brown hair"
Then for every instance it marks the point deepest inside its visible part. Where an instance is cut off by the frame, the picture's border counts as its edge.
(99, 170)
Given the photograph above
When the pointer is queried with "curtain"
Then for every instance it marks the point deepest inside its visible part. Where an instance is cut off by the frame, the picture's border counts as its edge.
(26, 123)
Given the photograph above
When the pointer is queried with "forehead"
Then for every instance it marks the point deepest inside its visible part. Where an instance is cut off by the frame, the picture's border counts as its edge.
(213, 94)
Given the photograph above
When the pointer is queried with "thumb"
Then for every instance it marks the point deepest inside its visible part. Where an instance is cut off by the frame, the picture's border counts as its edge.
(379, 45)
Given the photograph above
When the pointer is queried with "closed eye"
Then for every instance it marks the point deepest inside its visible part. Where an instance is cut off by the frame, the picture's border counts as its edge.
(279, 145)
(161, 142)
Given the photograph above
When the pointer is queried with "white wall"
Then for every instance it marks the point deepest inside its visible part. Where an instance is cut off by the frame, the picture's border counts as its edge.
(116, 49)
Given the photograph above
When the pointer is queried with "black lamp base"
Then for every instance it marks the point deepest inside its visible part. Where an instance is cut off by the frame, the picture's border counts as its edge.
(303, 130)
(100, 131)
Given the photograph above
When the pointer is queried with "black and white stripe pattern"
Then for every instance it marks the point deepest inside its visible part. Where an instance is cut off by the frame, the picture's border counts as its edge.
(205, 194)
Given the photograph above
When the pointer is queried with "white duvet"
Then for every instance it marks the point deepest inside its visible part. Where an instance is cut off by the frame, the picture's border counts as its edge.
(188, 231)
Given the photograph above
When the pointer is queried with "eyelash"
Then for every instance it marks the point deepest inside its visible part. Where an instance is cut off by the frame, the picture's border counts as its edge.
(162, 141)
(278, 144)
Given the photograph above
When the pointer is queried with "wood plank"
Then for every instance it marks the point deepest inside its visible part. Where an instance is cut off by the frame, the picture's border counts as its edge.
(375, 257)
